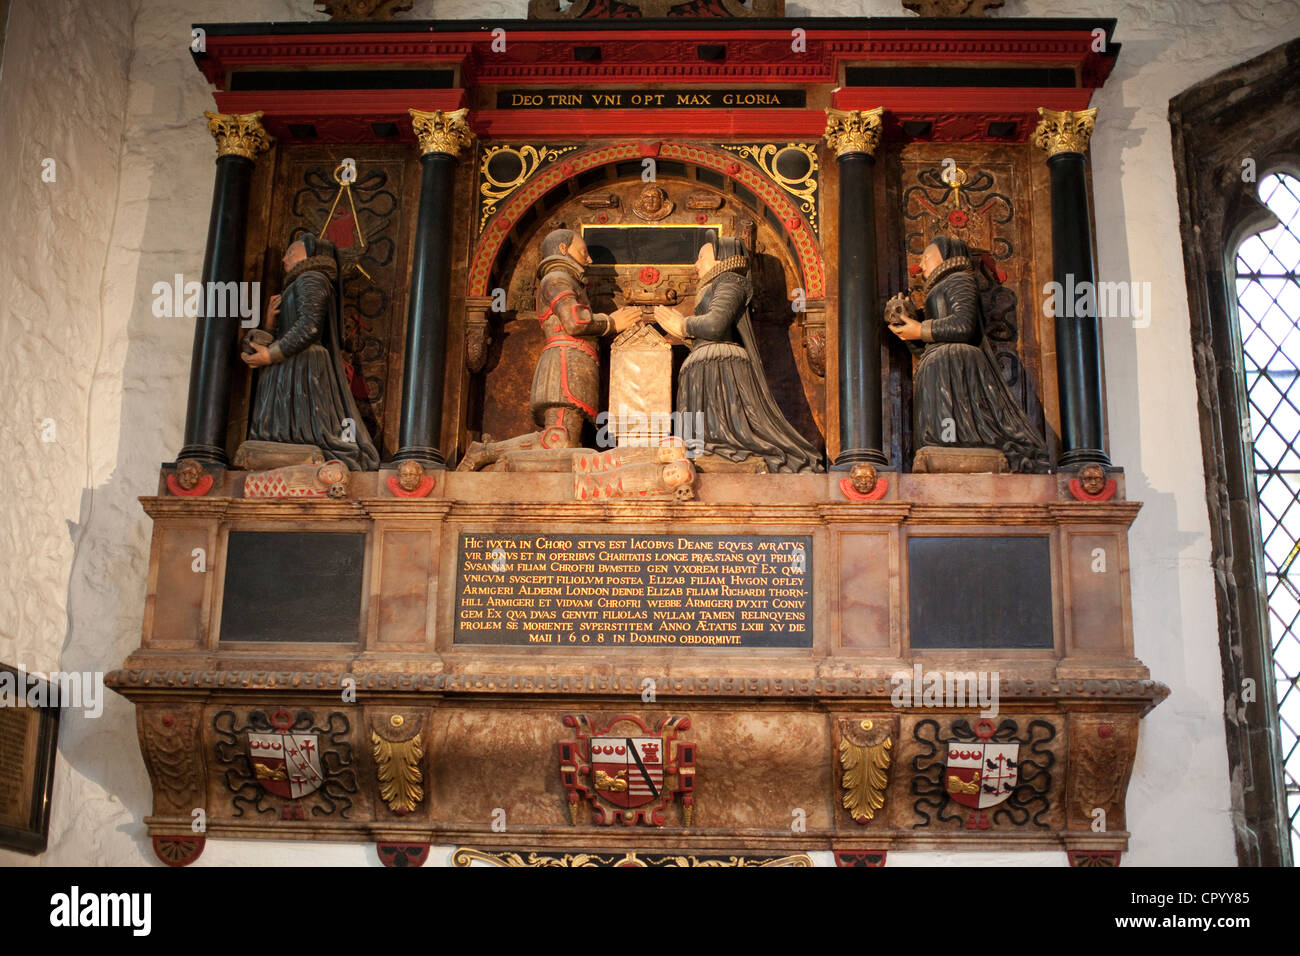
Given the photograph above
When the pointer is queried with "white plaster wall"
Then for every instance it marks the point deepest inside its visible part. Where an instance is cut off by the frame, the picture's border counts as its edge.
(108, 89)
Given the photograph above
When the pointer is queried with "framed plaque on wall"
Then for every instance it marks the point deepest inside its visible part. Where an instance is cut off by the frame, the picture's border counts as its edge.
(29, 738)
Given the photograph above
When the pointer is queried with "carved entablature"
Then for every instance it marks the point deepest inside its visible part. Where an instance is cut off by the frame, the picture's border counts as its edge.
(621, 348)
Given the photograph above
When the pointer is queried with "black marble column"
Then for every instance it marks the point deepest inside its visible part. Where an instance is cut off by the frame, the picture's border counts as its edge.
(240, 138)
(441, 136)
(1082, 403)
(854, 136)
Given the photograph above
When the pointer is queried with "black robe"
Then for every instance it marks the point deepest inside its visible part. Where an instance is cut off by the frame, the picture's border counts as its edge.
(958, 393)
(723, 379)
(305, 399)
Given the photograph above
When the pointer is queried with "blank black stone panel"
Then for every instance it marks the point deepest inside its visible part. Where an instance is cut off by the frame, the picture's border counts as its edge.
(968, 592)
(291, 586)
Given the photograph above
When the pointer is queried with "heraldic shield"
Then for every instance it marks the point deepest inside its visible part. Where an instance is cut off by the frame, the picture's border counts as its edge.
(286, 764)
(981, 774)
(628, 773)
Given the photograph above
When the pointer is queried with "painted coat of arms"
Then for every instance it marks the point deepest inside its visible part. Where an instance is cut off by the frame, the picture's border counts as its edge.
(285, 763)
(997, 772)
(627, 772)
(982, 774)
(286, 755)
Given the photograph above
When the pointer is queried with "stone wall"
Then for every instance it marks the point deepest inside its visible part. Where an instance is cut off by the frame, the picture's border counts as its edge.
(108, 90)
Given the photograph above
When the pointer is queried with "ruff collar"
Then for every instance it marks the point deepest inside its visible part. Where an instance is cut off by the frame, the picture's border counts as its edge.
(325, 264)
(946, 268)
(736, 264)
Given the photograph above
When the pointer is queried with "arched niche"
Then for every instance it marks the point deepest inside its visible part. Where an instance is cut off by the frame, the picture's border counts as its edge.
(694, 188)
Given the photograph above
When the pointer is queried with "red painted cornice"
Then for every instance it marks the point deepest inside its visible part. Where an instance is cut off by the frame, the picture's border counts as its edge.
(631, 58)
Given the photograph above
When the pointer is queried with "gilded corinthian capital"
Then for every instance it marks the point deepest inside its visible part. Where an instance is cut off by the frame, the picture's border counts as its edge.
(440, 132)
(1063, 131)
(238, 134)
(853, 131)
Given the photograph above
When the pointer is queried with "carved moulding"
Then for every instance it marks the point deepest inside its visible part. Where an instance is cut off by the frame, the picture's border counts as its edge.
(465, 856)
(171, 740)
(1070, 757)
(1102, 748)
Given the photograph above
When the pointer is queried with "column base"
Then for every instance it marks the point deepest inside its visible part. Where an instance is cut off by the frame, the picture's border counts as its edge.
(430, 458)
(205, 454)
(1082, 456)
(853, 456)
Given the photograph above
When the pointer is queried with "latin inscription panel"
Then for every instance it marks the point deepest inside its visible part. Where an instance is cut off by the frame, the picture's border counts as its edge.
(634, 590)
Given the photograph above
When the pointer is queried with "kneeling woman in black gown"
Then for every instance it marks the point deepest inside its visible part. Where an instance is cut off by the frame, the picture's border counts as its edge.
(960, 399)
(723, 376)
(302, 396)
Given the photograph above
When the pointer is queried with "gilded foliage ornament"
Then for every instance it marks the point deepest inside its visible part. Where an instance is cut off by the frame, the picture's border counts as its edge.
(440, 132)
(792, 166)
(1064, 131)
(854, 131)
(397, 763)
(865, 762)
(519, 164)
(238, 134)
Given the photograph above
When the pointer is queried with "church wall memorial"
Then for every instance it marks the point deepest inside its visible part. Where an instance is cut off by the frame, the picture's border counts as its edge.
(635, 590)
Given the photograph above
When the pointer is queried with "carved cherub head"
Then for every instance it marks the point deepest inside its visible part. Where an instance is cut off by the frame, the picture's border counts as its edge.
(864, 476)
(409, 475)
(188, 473)
(333, 474)
(672, 449)
(1092, 478)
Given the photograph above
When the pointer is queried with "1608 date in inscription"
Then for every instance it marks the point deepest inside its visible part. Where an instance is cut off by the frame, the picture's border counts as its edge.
(635, 590)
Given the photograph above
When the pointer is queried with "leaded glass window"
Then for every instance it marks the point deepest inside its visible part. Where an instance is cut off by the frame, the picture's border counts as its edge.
(1268, 307)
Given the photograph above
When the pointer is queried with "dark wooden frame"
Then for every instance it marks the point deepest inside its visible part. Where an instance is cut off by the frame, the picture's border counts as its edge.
(35, 836)
(1249, 111)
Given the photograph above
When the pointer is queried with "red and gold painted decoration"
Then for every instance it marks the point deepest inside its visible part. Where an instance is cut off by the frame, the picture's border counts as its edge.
(467, 856)
(627, 772)
(503, 168)
(801, 234)
(792, 167)
(860, 857)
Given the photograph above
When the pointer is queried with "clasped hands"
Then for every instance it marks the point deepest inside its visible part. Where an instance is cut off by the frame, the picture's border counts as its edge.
(670, 320)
